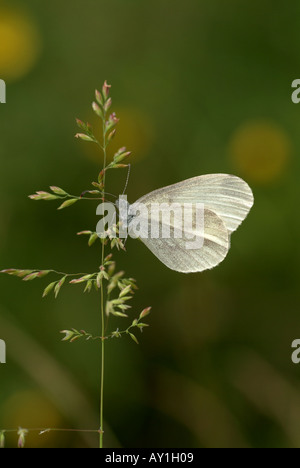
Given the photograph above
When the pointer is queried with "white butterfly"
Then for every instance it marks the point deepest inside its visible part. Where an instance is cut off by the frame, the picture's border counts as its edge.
(227, 200)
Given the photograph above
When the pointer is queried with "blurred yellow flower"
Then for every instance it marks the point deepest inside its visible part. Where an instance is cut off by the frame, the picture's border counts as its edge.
(20, 43)
(260, 151)
(31, 409)
(135, 131)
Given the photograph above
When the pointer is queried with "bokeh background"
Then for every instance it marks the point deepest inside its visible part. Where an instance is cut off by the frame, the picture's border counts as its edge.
(200, 87)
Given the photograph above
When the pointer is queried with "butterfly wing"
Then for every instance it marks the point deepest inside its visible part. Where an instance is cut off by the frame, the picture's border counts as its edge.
(226, 195)
(174, 254)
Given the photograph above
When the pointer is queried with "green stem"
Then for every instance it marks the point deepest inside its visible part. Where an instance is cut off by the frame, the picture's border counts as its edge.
(102, 362)
(102, 305)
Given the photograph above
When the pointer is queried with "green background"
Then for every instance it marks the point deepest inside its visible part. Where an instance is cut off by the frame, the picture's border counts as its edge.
(197, 86)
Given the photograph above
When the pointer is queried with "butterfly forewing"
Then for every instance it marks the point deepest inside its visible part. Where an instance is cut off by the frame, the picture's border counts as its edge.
(226, 195)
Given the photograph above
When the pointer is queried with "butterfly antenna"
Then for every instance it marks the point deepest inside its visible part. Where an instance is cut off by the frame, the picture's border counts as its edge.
(127, 179)
(111, 194)
(104, 193)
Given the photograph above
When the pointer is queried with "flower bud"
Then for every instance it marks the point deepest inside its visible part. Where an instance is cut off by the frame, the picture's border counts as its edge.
(69, 334)
(145, 312)
(111, 135)
(97, 110)
(105, 90)
(84, 137)
(107, 105)
(58, 190)
(2, 439)
(22, 434)
(99, 97)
